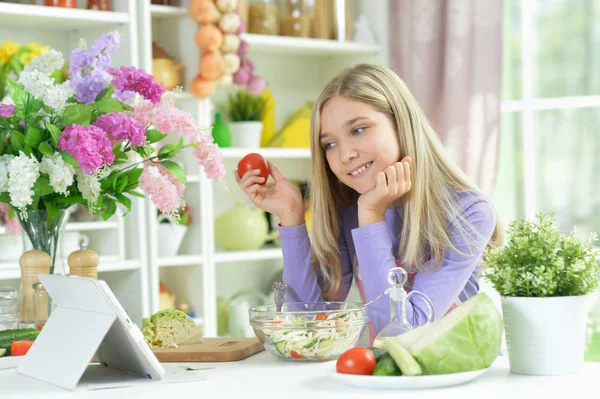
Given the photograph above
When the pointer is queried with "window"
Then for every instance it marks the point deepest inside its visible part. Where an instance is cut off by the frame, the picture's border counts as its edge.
(550, 126)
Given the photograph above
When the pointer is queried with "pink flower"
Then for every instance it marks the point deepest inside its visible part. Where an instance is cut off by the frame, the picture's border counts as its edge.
(88, 145)
(121, 127)
(165, 117)
(166, 192)
(241, 77)
(210, 158)
(6, 110)
(11, 224)
(129, 80)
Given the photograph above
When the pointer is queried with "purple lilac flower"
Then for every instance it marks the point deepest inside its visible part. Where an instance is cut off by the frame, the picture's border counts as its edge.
(6, 110)
(88, 145)
(121, 127)
(88, 67)
(130, 80)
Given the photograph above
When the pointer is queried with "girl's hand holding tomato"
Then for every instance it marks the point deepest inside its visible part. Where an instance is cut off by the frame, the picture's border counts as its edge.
(281, 198)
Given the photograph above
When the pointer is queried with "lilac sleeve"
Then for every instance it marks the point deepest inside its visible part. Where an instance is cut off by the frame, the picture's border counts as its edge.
(453, 279)
(304, 282)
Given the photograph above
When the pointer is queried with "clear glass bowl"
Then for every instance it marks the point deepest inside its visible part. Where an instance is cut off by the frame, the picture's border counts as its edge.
(314, 331)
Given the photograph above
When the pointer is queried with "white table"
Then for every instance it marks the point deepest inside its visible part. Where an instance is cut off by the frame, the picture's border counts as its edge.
(263, 376)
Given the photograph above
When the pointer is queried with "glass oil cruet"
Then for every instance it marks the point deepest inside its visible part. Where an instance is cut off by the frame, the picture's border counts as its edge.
(398, 297)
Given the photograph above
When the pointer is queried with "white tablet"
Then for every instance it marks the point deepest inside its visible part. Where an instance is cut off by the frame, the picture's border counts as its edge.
(88, 321)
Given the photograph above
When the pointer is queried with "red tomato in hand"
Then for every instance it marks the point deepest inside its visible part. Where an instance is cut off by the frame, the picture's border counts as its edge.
(358, 360)
(254, 161)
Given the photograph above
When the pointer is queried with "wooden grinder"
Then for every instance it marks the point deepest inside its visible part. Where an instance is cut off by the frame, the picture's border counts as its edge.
(84, 263)
(32, 263)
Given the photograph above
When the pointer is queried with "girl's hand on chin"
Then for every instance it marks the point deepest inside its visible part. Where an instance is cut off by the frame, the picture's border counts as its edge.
(391, 184)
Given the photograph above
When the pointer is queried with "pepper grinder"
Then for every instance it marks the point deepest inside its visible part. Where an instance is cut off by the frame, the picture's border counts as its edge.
(84, 262)
(32, 263)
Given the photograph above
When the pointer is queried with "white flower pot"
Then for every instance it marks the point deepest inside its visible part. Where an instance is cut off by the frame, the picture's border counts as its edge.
(170, 236)
(246, 134)
(545, 336)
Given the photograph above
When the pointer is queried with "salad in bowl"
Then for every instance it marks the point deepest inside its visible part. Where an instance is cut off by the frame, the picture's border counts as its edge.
(316, 331)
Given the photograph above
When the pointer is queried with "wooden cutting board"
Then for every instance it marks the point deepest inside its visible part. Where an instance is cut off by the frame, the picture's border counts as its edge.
(211, 350)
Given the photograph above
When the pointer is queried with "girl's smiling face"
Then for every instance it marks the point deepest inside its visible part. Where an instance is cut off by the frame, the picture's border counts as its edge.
(359, 142)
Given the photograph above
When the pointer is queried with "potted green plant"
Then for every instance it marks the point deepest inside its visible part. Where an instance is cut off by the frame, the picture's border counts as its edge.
(171, 231)
(245, 112)
(545, 280)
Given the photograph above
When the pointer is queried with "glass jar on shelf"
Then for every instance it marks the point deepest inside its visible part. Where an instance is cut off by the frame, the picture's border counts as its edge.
(296, 18)
(9, 319)
(101, 5)
(263, 17)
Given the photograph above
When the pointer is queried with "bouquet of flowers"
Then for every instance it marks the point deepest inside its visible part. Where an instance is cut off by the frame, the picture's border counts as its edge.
(184, 217)
(93, 139)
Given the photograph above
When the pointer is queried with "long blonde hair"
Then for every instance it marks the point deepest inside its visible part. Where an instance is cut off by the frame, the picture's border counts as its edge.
(429, 207)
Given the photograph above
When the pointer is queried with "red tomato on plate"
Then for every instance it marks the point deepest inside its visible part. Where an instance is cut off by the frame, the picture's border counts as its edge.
(357, 360)
(254, 161)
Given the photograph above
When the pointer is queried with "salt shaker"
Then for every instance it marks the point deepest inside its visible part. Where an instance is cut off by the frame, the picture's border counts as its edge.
(84, 262)
(32, 263)
(398, 297)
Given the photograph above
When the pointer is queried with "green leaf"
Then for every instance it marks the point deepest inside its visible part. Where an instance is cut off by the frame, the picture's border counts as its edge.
(27, 150)
(46, 149)
(125, 201)
(108, 105)
(68, 158)
(108, 208)
(121, 184)
(54, 132)
(5, 198)
(170, 150)
(42, 186)
(106, 93)
(33, 137)
(17, 139)
(153, 135)
(79, 114)
(52, 209)
(176, 170)
(18, 95)
(71, 199)
(136, 193)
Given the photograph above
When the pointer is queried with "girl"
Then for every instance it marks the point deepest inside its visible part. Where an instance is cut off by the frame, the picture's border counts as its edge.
(383, 194)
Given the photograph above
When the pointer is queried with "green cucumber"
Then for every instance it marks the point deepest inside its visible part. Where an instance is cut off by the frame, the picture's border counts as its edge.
(8, 336)
(325, 347)
(386, 366)
(280, 346)
(2, 352)
(404, 360)
(377, 352)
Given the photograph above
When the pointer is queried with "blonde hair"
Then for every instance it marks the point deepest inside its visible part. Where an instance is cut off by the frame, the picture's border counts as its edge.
(429, 207)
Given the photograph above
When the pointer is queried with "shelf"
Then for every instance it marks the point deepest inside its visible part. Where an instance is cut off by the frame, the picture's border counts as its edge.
(88, 226)
(180, 260)
(11, 270)
(57, 18)
(297, 45)
(267, 152)
(266, 253)
(159, 12)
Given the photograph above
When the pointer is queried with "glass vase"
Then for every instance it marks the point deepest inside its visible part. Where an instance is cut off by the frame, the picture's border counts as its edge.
(45, 233)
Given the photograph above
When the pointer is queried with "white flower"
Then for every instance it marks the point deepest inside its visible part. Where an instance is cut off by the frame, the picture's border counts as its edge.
(61, 174)
(57, 97)
(89, 186)
(36, 83)
(46, 63)
(23, 171)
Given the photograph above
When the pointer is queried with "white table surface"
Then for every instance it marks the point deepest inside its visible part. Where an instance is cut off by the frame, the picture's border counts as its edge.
(263, 376)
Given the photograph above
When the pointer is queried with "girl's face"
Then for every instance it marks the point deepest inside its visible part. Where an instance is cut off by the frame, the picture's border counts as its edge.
(359, 142)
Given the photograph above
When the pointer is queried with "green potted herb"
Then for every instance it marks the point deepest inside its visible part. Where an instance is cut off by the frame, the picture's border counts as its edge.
(545, 280)
(245, 118)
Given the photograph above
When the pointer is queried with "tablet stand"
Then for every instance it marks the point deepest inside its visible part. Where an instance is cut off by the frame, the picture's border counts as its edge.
(63, 350)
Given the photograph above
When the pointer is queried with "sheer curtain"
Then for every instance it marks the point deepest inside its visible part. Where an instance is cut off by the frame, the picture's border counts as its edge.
(449, 55)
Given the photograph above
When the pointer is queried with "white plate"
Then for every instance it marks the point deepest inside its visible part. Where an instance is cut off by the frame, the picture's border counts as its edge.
(404, 382)
(9, 362)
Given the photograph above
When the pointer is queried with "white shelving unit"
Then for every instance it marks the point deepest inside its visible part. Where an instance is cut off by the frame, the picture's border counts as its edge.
(296, 70)
(121, 242)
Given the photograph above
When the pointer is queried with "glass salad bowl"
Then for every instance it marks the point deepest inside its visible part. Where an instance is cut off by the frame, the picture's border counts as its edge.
(316, 331)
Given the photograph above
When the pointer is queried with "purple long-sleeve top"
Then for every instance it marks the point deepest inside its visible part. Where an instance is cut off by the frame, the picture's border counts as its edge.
(375, 247)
